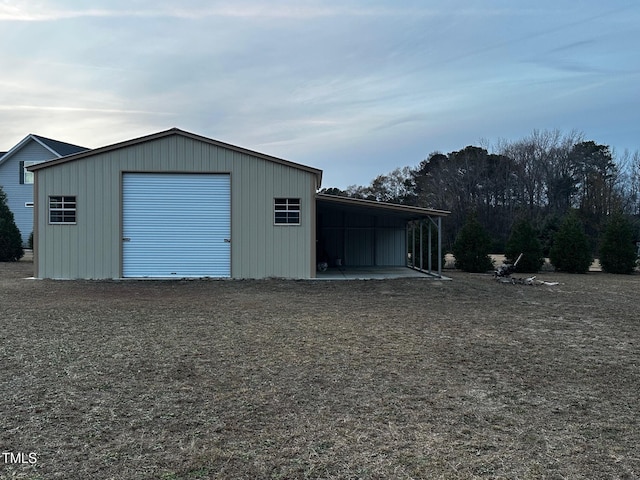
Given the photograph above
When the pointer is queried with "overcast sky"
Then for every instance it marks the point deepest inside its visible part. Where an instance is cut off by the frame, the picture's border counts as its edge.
(354, 87)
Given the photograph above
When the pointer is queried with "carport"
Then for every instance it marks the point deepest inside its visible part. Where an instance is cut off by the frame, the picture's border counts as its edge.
(363, 237)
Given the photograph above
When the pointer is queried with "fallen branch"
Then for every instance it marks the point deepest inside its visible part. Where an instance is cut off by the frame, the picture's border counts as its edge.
(525, 281)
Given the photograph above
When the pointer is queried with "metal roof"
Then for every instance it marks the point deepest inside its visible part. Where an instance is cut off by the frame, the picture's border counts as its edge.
(407, 211)
(182, 133)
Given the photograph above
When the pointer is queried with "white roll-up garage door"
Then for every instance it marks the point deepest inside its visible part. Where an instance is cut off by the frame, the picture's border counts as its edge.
(176, 225)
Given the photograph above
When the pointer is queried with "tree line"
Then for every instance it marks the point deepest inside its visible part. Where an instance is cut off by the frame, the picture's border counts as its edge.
(540, 179)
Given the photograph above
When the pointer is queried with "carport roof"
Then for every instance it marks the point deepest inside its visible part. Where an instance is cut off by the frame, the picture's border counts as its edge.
(407, 212)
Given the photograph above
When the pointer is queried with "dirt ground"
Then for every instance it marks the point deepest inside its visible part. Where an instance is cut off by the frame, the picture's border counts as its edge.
(397, 379)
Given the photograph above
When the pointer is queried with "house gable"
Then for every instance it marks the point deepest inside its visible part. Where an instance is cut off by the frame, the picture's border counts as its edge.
(32, 148)
(19, 194)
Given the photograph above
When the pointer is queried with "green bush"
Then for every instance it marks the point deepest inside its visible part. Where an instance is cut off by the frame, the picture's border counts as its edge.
(10, 239)
(30, 241)
(548, 230)
(571, 251)
(471, 248)
(617, 250)
(523, 239)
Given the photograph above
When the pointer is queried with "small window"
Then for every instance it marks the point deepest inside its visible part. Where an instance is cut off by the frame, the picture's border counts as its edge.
(28, 204)
(287, 211)
(27, 175)
(62, 210)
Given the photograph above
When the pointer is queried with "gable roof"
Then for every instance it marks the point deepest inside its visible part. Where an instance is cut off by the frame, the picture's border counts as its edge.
(56, 147)
(182, 133)
(62, 148)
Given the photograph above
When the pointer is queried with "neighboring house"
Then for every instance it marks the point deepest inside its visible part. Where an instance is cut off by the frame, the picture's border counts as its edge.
(17, 181)
(177, 205)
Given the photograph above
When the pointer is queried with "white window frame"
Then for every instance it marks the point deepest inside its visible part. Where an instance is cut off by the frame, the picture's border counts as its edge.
(27, 176)
(286, 211)
(64, 207)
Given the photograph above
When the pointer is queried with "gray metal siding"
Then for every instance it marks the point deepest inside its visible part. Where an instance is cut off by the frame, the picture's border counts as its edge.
(176, 225)
(391, 242)
(258, 247)
(19, 194)
(363, 240)
(391, 247)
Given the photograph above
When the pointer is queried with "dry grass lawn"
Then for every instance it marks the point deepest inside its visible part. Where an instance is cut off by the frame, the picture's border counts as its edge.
(389, 379)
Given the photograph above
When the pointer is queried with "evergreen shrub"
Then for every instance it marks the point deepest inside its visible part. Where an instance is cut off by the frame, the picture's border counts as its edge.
(523, 239)
(571, 251)
(471, 248)
(10, 239)
(617, 250)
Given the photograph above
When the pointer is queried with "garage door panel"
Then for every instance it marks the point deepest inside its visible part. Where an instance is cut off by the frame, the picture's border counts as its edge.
(176, 225)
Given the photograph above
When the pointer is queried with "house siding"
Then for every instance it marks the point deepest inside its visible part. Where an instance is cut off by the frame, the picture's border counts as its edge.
(93, 247)
(19, 194)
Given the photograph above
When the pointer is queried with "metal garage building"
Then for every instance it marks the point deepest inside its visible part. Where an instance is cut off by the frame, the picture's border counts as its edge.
(179, 205)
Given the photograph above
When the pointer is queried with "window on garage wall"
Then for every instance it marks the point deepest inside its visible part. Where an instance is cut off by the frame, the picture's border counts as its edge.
(286, 211)
(62, 209)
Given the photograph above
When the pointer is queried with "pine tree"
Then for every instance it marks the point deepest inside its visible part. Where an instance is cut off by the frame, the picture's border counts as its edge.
(571, 251)
(471, 248)
(617, 251)
(523, 239)
(10, 239)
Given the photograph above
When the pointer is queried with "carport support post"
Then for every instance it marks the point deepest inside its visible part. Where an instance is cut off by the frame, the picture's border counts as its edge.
(440, 246)
(429, 249)
(409, 249)
(409, 254)
(421, 262)
(413, 239)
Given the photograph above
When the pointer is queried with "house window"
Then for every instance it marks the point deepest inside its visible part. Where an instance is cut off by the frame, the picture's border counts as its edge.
(287, 211)
(27, 176)
(62, 210)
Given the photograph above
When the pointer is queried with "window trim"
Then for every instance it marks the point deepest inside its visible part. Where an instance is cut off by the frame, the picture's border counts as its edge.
(290, 207)
(67, 204)
(25, 172)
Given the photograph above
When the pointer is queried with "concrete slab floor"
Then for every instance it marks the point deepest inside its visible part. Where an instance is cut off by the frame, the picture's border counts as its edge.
(373, 273)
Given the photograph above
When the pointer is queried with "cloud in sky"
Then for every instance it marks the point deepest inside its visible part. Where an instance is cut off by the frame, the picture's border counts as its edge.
(356, 88)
